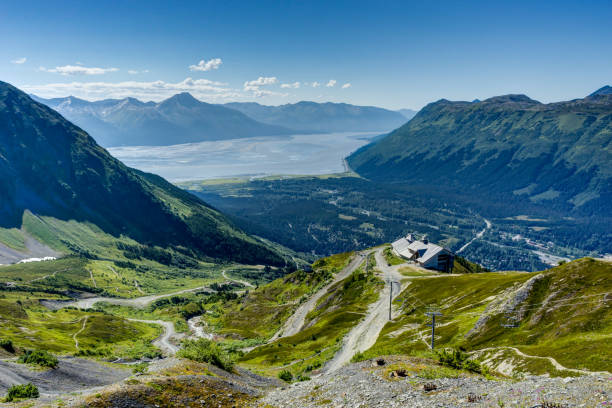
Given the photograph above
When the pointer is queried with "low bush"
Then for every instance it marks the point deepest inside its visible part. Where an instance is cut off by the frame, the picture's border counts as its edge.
(7, 345)
(22, 391)
(140, 368)
(459, 360)
(206, 351)
(285, 375)
(39, 357)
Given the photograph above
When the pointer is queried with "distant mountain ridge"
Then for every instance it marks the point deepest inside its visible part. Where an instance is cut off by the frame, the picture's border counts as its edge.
(50, 167)
(309, 116)
(178, 119)
(408, 113)
(557, 154)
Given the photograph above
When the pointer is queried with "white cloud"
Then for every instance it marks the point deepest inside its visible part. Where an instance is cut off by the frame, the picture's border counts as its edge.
(347, 85)
(204, 65)
(134, 72)
(294, 85)
(261, 81)
(331, 83)
(19, 60)
(203, 89)
(315, 84)
(78, 70)
(255, 85)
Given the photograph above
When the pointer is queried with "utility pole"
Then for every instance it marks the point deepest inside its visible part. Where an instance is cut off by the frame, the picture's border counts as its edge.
(433, 312)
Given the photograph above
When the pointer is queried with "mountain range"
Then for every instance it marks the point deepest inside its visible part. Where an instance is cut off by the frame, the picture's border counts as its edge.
(184, 119)
(310, 117)
(178, 119)
(52, 168)
(558, 155)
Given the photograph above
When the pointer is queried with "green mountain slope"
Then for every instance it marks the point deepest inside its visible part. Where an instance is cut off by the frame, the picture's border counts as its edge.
(179, 119)
(563, 313)
(323, 117)
(507, 147)
(54, 169)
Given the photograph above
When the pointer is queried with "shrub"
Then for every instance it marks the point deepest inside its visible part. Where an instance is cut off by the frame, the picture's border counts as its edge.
(206, 351)
(140, 368)
(39, 357)
(22, 391)
(7, 345)
(285, 375)
(459, 360)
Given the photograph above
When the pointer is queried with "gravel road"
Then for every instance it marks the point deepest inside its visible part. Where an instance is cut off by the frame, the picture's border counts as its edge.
(364, 335)
(138, 302)
(242, 282)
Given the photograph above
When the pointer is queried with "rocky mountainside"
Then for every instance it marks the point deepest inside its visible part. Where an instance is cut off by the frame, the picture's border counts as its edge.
(179, 119)
(323, 117)
(508, 147)
(50, 167)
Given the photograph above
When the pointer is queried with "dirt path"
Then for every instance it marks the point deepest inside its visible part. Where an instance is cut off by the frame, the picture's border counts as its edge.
(138, 302)
(163, 341)
(296, 321)
(47, 276)
(555, 363)
(478, 235)
(92, 279)
(364, 335)
(245, 283)
(74, 336)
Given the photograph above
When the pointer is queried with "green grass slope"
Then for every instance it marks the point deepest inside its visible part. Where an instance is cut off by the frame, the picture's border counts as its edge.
(563, 313)
(52, 168)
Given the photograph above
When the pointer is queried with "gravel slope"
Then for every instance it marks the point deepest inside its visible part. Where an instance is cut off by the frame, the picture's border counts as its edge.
(362, 385)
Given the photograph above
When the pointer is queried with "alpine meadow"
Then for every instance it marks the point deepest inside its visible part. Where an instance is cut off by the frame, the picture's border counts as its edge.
(305, 204)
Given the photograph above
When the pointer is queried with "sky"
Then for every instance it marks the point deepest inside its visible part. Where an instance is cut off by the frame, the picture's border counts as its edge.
(393, 54)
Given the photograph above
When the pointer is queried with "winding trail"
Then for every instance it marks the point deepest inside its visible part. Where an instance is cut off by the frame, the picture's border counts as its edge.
(295, 322)
(47, 276)
(364, 335)
(478, 235)
(555, 363)
(163, 341)
(138, 302)
(243, 282)
(74, 336)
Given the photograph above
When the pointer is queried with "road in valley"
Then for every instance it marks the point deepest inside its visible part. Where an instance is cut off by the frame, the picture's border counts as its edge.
(138, 302)
(163, 341)
(478, 235)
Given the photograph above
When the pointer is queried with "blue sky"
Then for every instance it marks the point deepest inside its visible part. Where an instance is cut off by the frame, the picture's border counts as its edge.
(392, 54)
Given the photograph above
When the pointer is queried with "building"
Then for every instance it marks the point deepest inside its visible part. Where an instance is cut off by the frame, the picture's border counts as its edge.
(424, 253)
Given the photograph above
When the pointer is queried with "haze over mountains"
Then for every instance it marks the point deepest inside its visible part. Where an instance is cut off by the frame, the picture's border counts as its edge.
(179, 119)
(558, 154)
(50, 167)
(323, 117)
(184, 119)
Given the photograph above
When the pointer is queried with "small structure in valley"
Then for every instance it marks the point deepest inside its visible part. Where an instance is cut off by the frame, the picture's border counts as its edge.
(424, 253)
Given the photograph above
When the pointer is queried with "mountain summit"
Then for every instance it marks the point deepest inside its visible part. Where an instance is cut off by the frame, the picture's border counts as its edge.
(50, 167)
(605, 90)
(178, 119)
(509, 147)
